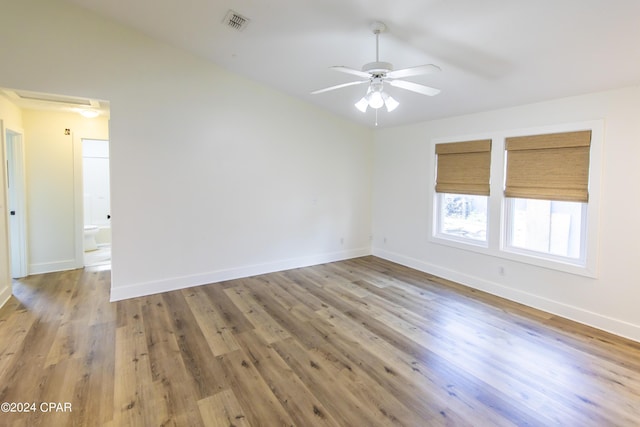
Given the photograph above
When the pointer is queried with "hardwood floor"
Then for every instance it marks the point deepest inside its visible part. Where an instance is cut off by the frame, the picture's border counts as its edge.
(363, 342)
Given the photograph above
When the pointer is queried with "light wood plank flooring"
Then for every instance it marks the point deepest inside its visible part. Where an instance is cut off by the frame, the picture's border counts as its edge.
(363, 342)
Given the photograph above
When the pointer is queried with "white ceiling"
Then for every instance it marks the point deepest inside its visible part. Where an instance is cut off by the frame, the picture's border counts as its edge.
(493, 53)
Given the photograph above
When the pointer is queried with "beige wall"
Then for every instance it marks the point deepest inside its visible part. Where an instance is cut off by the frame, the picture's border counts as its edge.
(53, 178)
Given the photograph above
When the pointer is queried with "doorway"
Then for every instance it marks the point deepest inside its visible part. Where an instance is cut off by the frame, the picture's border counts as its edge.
(50, 237)
(16, 199)
(96, 202)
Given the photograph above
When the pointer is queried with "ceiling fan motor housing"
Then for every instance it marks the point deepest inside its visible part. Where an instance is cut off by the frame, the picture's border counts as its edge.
(377, 67)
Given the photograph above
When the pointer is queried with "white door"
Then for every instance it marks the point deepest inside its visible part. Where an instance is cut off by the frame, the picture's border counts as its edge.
(95, 178)
(16, 203)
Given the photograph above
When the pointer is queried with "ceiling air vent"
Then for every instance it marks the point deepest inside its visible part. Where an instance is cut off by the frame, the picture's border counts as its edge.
(236, 21)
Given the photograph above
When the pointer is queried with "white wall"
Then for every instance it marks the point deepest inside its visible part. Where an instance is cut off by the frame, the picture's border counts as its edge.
(212, 175)
(53, 164)
(10, 118)
(402, 210)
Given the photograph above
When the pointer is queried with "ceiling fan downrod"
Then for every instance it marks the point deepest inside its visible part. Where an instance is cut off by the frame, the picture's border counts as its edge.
(377, 68)
(377, 33)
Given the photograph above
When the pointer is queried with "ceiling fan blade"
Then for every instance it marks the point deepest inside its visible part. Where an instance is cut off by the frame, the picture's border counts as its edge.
(353, 71)
(414, 87)
(413, 71)
(327, 89)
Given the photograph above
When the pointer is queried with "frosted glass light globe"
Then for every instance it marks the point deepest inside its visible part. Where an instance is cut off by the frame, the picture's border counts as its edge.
(375, 100)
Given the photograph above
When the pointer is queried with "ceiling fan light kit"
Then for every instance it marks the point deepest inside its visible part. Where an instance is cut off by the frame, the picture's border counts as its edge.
(378, 73)
(376, 97)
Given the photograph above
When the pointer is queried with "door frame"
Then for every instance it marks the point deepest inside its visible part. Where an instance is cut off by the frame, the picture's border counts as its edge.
(79, 194)
(78, 208)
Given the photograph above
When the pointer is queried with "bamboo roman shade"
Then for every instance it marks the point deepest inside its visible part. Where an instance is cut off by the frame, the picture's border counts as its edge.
(464, 167)
(550, 167)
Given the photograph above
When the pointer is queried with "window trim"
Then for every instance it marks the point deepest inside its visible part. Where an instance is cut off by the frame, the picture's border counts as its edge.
(496, 208)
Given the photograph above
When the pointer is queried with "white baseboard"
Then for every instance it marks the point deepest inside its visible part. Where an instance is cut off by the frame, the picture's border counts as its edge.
(51, 267)
(175, 283)
(5, 294)
(615, 326)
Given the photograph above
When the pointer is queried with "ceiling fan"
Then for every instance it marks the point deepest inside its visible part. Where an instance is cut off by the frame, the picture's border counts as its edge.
(378, 73)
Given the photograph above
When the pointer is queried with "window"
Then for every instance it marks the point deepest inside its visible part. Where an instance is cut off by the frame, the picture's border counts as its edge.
(528, 195)
(462, 216)
(546, 186)
(547, 227)
(462, 190)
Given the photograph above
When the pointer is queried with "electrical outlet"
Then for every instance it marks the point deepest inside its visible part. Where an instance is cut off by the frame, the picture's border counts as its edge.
(501, 270)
